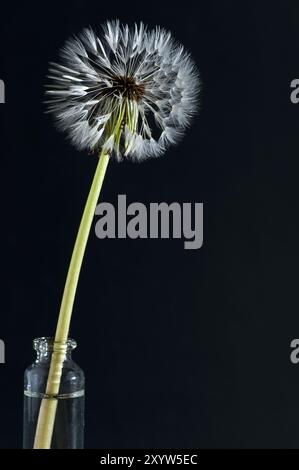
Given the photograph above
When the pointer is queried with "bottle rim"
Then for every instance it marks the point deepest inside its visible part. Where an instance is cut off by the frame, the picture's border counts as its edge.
(47, 343)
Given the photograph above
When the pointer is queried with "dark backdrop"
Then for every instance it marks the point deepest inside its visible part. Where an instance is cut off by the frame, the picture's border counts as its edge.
(181, 348)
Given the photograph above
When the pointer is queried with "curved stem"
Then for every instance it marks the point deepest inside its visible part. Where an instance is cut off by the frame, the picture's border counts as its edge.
(47, 412)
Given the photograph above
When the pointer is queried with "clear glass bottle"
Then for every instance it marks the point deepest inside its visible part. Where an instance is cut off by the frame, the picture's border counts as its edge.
(69, 424)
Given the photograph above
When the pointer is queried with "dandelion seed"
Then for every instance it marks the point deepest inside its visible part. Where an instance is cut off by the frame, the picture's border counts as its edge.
(130, 92)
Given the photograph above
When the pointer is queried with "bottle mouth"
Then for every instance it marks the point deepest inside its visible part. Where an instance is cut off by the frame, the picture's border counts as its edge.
(45, 343)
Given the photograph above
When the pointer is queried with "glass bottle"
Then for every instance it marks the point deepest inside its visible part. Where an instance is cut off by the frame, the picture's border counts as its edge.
(69, 423)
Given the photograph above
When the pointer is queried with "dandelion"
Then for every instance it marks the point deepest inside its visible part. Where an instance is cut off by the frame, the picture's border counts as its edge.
(127, 94)
(130, 93)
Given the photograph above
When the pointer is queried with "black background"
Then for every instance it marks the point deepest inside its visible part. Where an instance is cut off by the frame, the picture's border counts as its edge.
(181, 348)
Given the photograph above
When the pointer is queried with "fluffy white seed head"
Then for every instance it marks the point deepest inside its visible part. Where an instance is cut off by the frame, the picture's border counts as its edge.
(130, 92)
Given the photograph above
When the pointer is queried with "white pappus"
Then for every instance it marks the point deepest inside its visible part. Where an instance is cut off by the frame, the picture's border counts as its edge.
(130, 92)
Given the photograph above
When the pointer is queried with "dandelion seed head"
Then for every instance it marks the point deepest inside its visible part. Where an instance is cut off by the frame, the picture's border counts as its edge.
(130, 91)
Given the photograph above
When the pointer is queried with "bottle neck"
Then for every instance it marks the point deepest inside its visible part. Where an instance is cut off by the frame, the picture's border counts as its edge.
(46, 346)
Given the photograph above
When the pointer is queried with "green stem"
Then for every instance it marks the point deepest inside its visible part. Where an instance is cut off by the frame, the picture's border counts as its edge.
(47, 412)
